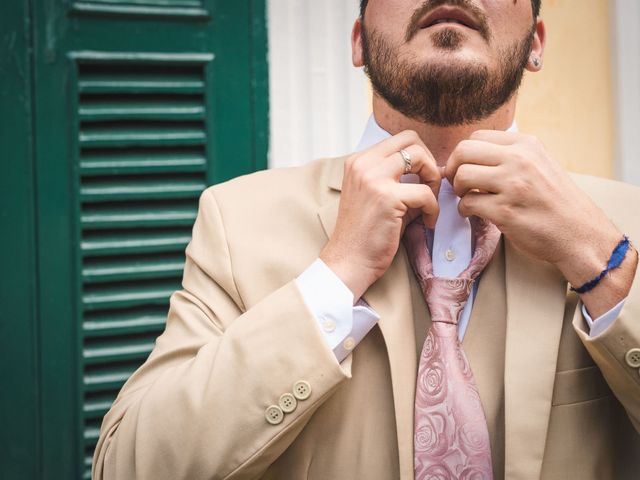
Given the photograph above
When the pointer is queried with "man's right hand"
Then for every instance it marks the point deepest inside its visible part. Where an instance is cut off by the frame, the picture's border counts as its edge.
(375, 208)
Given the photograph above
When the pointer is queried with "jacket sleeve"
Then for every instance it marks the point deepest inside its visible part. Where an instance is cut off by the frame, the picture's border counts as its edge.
(610, 350)
(197, 407)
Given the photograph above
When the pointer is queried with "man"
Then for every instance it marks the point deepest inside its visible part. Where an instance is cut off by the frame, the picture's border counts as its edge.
(295, 347)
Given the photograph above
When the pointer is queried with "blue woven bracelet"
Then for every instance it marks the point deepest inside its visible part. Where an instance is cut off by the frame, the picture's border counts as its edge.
(614, 262)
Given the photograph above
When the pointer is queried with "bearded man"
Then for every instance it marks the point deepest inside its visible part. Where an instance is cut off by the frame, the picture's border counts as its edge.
(445, 303)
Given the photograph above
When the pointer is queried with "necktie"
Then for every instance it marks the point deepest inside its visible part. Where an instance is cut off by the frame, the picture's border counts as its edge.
(451, 440)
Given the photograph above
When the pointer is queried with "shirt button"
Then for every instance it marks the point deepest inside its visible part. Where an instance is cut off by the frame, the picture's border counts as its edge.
(301, 390)
(450, 255)
(287, 402)
(274, 414)
(329, 326)
(349, 343)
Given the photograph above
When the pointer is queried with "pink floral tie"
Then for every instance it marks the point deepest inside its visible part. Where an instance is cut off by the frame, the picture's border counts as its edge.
(451, 439)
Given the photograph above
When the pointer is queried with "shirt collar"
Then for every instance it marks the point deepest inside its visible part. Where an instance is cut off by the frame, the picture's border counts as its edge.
(374, 133)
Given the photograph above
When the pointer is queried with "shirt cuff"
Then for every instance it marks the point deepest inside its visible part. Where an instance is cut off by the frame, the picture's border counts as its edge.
(600, 324)
(342, 324)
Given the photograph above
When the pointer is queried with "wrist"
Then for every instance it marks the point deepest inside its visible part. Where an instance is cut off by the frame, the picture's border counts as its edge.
(349, 271)
(613, 287)
(589, 265)
(587, 260)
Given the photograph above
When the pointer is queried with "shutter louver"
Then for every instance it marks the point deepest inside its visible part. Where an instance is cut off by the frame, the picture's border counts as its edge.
(142, 166)
(161, 3)
(174, 8)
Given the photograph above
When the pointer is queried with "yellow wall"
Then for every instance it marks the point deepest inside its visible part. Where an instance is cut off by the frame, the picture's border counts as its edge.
(569, 104)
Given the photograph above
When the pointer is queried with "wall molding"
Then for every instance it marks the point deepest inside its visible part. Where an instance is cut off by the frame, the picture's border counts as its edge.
(625, 55)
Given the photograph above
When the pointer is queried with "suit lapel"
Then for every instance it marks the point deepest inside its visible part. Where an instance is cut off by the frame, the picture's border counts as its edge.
(391, 298)
(484, 345)
(536, 294)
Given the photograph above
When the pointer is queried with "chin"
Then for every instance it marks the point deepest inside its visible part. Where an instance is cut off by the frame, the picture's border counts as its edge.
(460, 57)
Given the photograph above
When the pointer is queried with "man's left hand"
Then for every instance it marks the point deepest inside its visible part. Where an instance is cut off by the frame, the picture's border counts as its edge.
(511, 180)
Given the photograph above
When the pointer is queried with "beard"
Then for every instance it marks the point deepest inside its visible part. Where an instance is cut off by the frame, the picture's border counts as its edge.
(443, 94)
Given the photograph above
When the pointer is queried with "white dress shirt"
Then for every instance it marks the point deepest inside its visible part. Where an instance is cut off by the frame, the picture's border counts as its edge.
(345, 325)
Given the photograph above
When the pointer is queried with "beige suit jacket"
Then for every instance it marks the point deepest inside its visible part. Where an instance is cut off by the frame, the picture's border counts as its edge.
(559, 405)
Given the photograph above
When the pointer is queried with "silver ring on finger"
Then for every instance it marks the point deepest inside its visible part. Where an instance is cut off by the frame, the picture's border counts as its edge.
(407, 160)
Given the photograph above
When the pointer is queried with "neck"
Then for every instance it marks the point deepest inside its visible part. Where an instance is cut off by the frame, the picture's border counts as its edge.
(440, 141)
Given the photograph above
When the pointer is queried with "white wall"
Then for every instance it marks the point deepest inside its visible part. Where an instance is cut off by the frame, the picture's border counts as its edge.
(625, 17)
(319, 102)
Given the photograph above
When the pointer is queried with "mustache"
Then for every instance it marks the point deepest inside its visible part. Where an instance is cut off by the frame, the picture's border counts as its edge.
(478, 16)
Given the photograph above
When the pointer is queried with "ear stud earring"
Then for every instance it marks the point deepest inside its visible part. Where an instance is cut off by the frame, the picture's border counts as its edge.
(535, 61)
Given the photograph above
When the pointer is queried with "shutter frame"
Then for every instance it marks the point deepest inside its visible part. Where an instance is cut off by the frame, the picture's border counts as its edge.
(142, 146)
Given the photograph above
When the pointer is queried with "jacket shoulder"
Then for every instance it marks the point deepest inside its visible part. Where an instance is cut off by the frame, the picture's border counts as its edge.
(310, 181)
(606, 189)
(267, 225)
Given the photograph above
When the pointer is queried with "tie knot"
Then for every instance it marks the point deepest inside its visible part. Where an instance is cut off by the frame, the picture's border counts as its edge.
(446, 297)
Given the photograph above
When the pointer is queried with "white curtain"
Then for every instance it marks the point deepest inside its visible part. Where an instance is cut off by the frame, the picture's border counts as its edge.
(319, 102)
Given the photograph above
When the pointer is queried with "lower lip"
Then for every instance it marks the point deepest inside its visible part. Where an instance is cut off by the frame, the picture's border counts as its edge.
(448, 24)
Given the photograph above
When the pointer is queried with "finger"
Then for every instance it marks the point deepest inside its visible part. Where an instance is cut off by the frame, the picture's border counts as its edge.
(420, 197)
(477, 177)
(479, 204)
(422, 164)
(475, 152)
(498, 137)
(369, 160)
(393, 144)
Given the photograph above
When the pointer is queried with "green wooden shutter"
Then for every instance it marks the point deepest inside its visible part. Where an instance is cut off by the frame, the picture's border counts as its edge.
(138, 105)
(142, 164)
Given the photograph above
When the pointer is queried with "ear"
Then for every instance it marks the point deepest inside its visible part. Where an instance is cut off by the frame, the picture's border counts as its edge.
(356, 44)
(537, 48)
